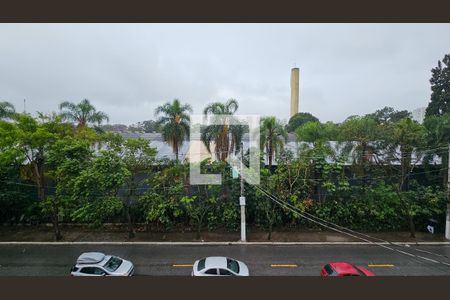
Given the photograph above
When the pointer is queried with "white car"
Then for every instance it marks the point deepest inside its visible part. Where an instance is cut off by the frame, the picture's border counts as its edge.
(219, 266)
(99, 264)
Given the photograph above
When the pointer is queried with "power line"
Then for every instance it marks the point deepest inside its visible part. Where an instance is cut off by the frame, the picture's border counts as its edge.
(301, 179)
(296, 211)
(432, 150)
(353, 231)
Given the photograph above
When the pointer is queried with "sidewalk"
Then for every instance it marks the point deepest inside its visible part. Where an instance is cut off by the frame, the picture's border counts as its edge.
(45, 234)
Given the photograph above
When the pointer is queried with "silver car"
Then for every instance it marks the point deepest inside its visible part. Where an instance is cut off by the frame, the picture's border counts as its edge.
(99, 264)
(219, 266)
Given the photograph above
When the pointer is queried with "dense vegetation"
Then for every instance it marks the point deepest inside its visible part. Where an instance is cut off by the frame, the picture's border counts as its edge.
(381, 171)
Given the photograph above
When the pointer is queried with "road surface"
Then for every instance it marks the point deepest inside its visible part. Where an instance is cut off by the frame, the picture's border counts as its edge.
(263, 260)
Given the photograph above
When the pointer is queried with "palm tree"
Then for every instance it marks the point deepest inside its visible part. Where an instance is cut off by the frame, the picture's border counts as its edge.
(6, 110)
(227, 138)
(82, 113)
(273, 137)
(175, 123)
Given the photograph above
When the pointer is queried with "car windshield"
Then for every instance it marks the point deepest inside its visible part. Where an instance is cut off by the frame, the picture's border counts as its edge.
(201, 264)
(233, 265)
(113, 264)
(329, 270)
(360, 272)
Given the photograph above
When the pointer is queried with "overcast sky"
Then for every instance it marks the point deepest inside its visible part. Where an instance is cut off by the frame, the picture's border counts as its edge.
(127, 70)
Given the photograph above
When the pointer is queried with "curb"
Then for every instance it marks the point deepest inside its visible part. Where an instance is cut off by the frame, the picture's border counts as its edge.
(225, 243)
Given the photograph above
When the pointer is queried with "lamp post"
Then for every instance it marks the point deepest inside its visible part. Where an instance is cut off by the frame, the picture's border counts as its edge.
(242, 198)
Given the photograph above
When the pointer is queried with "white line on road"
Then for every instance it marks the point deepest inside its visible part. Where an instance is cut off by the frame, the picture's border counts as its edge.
(429, 259)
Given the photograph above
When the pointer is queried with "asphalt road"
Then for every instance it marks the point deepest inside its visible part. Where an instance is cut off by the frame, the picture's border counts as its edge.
(263, 260)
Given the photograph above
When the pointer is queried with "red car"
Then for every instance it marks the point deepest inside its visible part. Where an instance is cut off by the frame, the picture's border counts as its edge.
(344, 269)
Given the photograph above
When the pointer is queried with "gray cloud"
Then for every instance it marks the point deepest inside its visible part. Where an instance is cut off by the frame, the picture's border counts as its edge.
(127, 70)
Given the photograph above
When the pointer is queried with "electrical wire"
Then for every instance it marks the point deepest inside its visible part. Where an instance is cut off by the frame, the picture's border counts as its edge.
(356, 232)
(301, 214)
(300, 179)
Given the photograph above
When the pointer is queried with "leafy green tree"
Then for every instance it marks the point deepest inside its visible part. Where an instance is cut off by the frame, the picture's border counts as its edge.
(67, 158)
(97, 187)
(197, 208)
(299, 119)
(289, 184)
(83, 113)
(138, 157)
(438, 140)
(421, 202)
(29, 139)
(268, 213)
(174, 121)
(7, 110)
(17, 200)
(149, 126)
(405, 140)
(316, 132)
(226, 138)
(273, 137)
(440, 89)
(161, 204)
(358, 135)
(389, 115)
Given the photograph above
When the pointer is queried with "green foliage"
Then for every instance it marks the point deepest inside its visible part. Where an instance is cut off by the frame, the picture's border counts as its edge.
(299, 119)
(96, 188)
(17, 197)
(440, 87)
(273, 137)
(7, 110)
(83, 113)
(389, 115)
(98, 211)
(423, 202)
(197, 208)
(316, 132)
(226, 138)
(373, 209)
(174, 121)
(162, 203)
(49, 170)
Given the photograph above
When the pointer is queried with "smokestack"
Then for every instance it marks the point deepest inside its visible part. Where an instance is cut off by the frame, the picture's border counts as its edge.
(294, 90)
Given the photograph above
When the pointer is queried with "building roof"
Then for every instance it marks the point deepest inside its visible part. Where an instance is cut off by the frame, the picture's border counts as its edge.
(197, 146)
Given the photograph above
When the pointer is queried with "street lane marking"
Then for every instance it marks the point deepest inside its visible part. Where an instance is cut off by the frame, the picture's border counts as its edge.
(381, 265)
(284, 265)
(429, 259)
(182, 265)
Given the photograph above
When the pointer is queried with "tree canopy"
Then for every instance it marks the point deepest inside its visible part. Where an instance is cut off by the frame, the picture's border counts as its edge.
(299, 119)
(440, 89)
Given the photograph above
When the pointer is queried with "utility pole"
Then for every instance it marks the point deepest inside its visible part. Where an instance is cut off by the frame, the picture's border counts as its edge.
(447, 221)
(242, 198)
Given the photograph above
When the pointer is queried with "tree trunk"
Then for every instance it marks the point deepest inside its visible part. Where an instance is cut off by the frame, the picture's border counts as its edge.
(175, 145)
(199, 230)
(445, 159)
(412, 228)
(56, 230)
(363, 164)
(40, 180)
(131, 233)
(269, 236)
